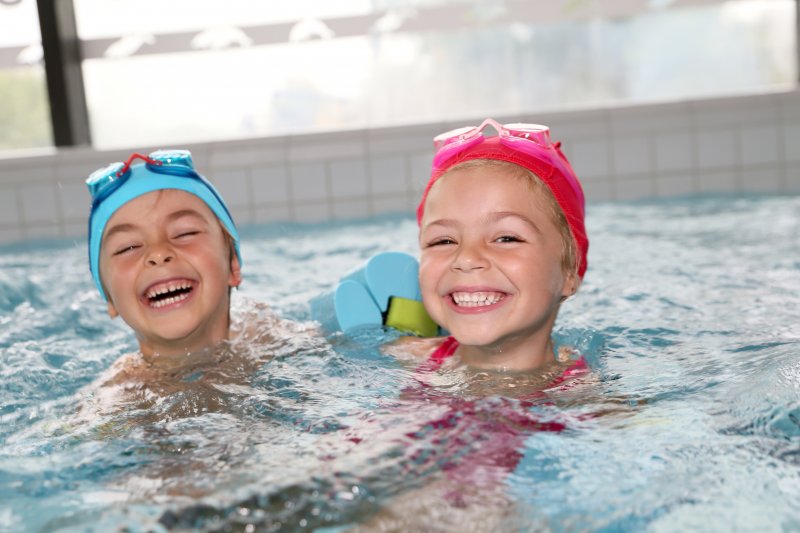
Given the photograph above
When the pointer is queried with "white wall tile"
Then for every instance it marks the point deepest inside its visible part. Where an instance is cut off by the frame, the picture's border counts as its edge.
(311, 212)
(789, 104)
(11, 234)
(420, 165)
(326, 147)
(725, 144)
(388, 174)
(348, 209)
(791, 141)
(393, 204)
(234, 186)
(726, 112)
(792, 181)
(348, 178)
(393, 141)
(76, 172)
(717, 181)
(9, 211)
(580, 125)
(716, 148)
(762, 180)
(644, 119)
(270, 184)
(633, 189)
(598, 190)
(673, 152)
(241, 215)
(308, 182)
(245, 153)
(272, 213)
(759, 144)
(677, 184)
(75, 201)
(632, 155)
(75, 230)
(590, 159)
(39, 204)
(45, 231)
(28, 175)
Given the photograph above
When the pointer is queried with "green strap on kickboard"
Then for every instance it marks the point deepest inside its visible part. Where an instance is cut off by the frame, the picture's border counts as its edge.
(410, 315)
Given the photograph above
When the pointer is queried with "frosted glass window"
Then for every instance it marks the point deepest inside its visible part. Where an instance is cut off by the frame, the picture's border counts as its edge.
(160, 73)
(24, 107)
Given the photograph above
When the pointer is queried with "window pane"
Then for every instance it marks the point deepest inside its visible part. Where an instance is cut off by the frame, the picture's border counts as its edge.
(196, 72)
(24, 107)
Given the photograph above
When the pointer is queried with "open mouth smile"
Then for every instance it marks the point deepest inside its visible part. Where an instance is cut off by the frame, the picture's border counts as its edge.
(477, 299)
(168, 293)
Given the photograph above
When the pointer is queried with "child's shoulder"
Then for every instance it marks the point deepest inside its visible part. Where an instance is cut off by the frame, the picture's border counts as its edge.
(256, 322)
(129, 367)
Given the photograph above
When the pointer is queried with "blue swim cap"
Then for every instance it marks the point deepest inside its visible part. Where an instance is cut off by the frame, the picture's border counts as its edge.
(115, 185)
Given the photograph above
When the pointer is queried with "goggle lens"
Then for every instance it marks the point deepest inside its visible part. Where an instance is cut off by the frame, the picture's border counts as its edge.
(531, 132)
(102, 178)
(103, 182)
(456, 136)
(518, 136)
(181, 158)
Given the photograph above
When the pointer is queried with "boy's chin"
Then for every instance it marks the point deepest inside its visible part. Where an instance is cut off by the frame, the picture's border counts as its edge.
(174, 338)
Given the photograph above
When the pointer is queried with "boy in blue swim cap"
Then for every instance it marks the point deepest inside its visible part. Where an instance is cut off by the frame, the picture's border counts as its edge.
(163, 252)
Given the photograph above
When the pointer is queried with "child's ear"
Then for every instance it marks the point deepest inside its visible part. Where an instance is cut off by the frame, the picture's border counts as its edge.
(571, 285)
(112, 311)
(235, 279)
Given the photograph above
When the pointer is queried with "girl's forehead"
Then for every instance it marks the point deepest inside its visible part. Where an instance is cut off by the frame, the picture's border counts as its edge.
(486, 188)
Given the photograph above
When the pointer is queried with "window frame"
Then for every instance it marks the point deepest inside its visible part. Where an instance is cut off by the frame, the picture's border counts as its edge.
(62, 56)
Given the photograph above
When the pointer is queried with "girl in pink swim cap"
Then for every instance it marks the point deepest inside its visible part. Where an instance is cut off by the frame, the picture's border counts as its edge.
(502, 245)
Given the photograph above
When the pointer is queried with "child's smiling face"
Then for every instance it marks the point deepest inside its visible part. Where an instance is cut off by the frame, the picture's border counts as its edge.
(491, 268)
(167, 268)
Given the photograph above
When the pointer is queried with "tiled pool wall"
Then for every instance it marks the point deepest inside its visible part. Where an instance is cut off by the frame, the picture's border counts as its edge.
(737, 145)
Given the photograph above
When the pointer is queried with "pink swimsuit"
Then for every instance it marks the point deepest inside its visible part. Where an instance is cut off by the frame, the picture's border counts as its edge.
(450, 345)
(475, 443)
(482, 442)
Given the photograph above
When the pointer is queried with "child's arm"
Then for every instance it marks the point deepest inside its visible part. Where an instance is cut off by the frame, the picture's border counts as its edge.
(412, 348)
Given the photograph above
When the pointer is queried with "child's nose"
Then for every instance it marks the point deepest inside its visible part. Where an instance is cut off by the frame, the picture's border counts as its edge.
(470, 258)
(159, 255)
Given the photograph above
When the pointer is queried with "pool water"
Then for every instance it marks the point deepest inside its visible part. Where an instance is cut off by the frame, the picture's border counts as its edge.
(689, 318)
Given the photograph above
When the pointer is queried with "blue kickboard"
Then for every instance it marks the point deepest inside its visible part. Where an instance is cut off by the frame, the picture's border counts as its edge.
(362, 296)
(354, 306)
(392, 274)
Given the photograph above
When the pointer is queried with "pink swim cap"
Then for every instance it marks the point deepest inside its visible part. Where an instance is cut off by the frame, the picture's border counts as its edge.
(548, 163)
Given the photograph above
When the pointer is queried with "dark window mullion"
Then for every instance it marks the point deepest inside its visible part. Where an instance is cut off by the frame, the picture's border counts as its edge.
(62, 59)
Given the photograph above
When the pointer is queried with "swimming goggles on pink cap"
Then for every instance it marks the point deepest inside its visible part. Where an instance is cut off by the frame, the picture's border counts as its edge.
(527, 138)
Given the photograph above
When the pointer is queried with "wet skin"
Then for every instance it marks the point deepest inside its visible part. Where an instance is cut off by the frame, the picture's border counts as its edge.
(167, 269)
(491, 267)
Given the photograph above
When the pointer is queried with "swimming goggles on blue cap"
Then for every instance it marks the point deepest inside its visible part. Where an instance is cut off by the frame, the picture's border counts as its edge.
(118, 183)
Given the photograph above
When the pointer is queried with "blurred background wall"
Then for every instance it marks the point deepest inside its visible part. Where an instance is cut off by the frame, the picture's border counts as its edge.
(314, 110)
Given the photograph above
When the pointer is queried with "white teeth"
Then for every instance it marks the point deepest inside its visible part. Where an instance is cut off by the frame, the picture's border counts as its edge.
(169, 288)
(476, 299)
(171, 300)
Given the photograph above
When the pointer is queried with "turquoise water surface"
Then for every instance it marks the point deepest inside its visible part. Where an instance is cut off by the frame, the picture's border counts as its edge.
(689, 318)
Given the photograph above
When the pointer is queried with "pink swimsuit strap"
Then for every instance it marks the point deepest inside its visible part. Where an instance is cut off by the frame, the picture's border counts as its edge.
(445, 350)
